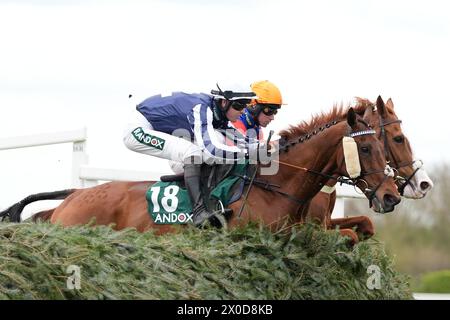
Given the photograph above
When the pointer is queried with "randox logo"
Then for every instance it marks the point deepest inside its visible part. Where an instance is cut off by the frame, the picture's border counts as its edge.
(148, 139)
(169, 205)
(172, 218)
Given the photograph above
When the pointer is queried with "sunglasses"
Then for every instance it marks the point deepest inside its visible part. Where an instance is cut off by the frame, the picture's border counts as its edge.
(239, 105)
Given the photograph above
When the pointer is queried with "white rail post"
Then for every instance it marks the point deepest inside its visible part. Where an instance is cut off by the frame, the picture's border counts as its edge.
(339, 208)
(344, 192)
(79, 158)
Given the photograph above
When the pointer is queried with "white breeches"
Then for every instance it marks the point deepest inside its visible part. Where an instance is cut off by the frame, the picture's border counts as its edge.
(177, 167)
(139, 136)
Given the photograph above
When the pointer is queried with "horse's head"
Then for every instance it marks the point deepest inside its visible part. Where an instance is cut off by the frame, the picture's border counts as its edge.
(412, 180)
(362, 159)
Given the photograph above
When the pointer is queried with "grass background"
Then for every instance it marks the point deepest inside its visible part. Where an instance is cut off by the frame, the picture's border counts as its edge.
(417, 233)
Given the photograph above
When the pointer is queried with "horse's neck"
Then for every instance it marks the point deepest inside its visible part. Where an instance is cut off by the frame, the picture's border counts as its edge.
(317, 154)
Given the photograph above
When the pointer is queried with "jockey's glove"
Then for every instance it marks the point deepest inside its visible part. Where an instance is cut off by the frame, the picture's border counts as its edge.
(257, 152)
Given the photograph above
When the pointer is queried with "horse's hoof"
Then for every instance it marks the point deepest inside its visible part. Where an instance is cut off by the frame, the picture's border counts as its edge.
(218, 221)
(351, 236)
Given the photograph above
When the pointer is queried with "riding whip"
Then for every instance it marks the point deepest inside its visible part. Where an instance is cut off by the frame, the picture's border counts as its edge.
(252, 179)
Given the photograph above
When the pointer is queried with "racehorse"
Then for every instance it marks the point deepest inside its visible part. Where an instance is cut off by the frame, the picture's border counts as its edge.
(382, 117)
(309, 154)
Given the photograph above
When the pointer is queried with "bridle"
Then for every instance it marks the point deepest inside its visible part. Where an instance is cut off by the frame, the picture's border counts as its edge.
(387, 171)
(389, 155)
(285, 145)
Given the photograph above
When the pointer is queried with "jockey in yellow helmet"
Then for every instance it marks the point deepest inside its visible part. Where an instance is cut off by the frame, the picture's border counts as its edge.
(262, 110)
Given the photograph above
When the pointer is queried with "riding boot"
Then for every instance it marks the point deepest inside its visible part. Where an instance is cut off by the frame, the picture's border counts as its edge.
(192, 181)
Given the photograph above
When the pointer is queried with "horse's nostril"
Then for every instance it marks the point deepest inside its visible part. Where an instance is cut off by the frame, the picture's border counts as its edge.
(390, 200)
(424, 185)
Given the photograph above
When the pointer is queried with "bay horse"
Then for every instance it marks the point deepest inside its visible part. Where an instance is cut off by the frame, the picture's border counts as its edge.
(308, 155)
(412, 181)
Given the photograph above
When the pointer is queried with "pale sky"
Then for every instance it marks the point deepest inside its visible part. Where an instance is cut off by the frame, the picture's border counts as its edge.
(69, 64)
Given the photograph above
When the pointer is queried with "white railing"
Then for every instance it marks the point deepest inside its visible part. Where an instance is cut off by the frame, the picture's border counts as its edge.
(77, 137)
(82, 174)
(90, 176)
(344, 192)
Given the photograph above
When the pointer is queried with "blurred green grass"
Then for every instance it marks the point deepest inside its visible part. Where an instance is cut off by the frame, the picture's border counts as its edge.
(417, 233)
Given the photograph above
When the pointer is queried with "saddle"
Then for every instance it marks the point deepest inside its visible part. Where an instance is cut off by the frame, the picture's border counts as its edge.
(172, 177)
(222, 184)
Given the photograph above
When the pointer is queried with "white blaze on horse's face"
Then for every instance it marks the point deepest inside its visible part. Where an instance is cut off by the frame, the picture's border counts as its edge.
(420, 184)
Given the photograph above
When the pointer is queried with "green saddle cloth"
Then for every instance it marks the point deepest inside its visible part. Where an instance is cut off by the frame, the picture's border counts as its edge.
(169, 202)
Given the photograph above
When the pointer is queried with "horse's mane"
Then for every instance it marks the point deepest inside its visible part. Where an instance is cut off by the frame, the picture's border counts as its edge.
(337, 113)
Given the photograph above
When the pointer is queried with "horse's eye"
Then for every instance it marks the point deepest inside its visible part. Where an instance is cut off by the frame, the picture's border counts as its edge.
(398, 139)
(365, 149)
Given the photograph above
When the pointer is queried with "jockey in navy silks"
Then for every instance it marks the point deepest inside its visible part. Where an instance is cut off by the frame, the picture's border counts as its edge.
(190, 129)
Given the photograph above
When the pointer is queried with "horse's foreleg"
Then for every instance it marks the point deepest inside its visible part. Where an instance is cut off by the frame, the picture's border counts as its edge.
(351, 234)
(321, 207)
(363, 224)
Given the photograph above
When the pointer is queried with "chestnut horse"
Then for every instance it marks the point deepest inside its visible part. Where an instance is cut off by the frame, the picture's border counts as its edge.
(414, 185)
(308, 155)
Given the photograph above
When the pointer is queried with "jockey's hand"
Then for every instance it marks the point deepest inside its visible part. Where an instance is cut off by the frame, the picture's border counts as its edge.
(258, 152)
(264, 155)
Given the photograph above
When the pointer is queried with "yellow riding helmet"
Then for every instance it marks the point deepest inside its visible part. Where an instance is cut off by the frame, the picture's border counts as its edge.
(267, 92)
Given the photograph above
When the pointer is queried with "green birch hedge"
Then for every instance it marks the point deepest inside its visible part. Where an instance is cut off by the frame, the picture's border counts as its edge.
(245, 263)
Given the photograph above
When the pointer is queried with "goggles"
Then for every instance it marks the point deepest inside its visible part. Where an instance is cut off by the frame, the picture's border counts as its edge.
(271, 109)
(240, 104)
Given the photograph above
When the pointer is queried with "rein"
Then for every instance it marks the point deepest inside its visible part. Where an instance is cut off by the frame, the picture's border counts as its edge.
(388, 172)
(343, 180)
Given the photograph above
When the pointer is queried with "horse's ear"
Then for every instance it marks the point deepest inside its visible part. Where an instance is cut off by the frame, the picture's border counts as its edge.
(351, 118)
(381, 108)
(390, 104)
(368, 113)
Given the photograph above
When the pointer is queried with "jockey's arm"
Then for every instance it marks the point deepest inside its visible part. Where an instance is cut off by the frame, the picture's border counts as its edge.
(205, 135)
(251, 134)
(238, 137)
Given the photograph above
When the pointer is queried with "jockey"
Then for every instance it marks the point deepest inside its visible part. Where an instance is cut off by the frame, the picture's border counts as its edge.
(164, 122)
(261, 111)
